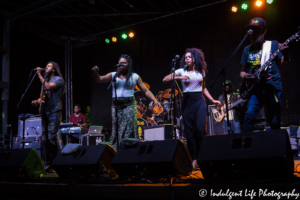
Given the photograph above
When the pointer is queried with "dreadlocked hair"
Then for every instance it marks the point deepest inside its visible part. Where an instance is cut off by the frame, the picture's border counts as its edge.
(57, 72)
(130, 67)
(198, 55)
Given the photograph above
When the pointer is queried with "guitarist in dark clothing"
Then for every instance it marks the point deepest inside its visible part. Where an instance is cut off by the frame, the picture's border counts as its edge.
(51, 115)
(235, 112)
(268, 93)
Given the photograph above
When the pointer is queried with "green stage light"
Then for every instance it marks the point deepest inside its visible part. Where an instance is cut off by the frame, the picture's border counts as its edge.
(270, 1)
(124, 36)
(244, 6)
(107, 40)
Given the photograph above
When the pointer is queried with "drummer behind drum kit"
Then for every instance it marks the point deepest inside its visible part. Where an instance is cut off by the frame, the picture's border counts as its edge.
(160, 115)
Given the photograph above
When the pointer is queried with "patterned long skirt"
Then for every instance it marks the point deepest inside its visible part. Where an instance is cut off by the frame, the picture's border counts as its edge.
(127, 120)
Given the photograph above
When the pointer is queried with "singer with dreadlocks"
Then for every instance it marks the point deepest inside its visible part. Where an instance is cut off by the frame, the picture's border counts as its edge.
(192, 76)
(127, 110)
(53, 85)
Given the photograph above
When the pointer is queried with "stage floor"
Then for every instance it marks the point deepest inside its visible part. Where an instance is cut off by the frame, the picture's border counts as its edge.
(187, 187)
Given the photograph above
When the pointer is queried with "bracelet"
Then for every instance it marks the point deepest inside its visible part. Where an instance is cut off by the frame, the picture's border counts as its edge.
(211, 100)
(243, 75)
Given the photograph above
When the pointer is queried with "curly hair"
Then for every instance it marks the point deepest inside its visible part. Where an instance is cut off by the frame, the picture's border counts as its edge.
(130, 68)
(57, 72)
(198, 55)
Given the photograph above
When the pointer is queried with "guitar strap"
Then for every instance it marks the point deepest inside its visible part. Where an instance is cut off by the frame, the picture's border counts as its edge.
(266, 51)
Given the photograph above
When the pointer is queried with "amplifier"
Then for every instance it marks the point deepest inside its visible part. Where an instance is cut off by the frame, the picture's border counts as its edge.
(159, 132)
(33, 126)
(34, 142)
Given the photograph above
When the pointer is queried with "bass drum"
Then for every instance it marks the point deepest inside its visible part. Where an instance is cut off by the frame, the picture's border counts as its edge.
(143, 122)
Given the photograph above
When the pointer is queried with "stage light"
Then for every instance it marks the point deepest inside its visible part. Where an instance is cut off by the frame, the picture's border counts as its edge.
(131, 34)
(124, 36)
(107, 40)
(244, 6)
(258, 3)
(270, 1)
(234, 9)
(114, 39)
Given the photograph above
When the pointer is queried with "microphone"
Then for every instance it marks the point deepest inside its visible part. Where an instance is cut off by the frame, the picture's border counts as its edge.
(176, 58)
(118, 65)
(250, 32)
(43, 69)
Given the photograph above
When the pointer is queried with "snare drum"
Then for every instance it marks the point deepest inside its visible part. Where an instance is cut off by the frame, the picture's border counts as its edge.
(143, 122)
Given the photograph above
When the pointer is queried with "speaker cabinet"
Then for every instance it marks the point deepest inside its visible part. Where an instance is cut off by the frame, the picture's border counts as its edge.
(16, 162)
(153, 158)
(33, 126)
(159, 132)
(215, 128)
(87, 161)
(252, 155)
(34, 142)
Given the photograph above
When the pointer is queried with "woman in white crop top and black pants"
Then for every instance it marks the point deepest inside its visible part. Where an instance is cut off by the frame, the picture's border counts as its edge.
(127, 110)
(192, 76)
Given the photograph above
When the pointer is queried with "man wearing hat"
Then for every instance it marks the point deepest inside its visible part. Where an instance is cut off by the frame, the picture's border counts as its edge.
(234, 113)
(269, 92)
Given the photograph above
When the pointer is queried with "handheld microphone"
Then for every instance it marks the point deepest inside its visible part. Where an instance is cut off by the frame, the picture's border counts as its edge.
(43, 69)
(250, 32)
(118, 65)
(177, 57)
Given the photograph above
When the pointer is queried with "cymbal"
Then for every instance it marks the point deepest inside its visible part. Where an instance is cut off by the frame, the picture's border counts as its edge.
(146, 84)
(166, 94)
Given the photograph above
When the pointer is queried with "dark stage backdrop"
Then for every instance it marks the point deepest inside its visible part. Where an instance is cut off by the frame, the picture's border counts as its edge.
(217, 35)
(152, 49)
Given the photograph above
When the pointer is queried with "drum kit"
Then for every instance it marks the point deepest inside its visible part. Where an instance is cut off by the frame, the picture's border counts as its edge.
(160, 115)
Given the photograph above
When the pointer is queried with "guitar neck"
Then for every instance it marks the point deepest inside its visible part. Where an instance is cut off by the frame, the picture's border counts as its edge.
(234, 104)
(264, 66)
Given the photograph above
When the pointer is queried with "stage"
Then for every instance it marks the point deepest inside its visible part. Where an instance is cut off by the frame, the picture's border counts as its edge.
(50, 186)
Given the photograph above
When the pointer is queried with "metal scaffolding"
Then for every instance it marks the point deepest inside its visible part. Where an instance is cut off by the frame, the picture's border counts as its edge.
(68, 79)
(5, 78)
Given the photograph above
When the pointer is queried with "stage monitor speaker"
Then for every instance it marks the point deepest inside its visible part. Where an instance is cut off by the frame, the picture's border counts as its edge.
(254, 155)
(87, 161)
(153, 158)
(19, 162)
(159, 132)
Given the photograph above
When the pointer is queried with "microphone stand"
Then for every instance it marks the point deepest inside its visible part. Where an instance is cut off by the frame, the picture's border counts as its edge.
(172, 104)
(114, 80)
(223, 72)
(23, 119)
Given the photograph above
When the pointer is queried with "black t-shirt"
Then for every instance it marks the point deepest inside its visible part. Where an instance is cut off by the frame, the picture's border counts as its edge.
(252, 58)
(53, 101)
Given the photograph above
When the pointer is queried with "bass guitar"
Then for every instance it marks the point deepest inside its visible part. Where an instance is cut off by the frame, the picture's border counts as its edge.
(219, 115)
(248, 86)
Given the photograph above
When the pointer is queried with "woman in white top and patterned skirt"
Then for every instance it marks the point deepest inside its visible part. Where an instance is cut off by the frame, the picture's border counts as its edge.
(127, 110)
(192, 76)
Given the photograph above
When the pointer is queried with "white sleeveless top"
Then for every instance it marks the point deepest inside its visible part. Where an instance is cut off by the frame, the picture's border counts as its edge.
(194, 83)
(125, 89)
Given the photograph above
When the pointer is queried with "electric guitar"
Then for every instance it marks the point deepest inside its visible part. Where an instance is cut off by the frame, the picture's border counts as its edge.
(218, 116)
(43, 97)
(248, 86)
